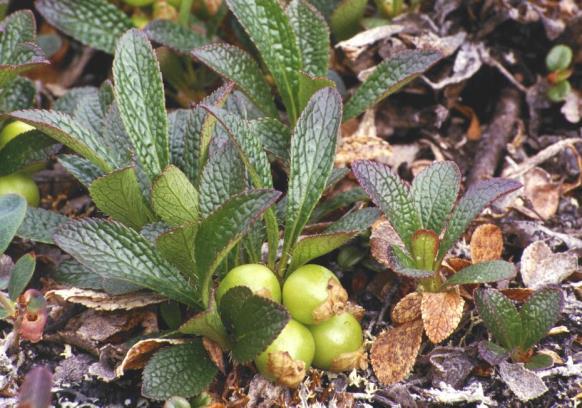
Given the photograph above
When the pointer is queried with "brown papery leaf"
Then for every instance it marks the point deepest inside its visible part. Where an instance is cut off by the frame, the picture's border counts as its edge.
(543, 193)
(394, 352)
(103, 301)
(408, 309)
(441, 314)
(139, 354)
(486, 243)
(383, 236)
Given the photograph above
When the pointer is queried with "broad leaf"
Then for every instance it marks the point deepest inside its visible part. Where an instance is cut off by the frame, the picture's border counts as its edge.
(70, 100)
(314, 246)
(473, 202)
(358, 220)
(312, 36)
(236, 65)
(425, 246)
(345, 19)
(12, 212)
(207, 324)
(268, 27)
(441, 314)
(82, 169)
(274, 136)
(139, 92)
(97, 23)
(340, 200)
(483, 272)
(117, 252)
(16, 95)
(178, 371)
(177, 246)
(389, 193)
(64, 129)
(313, 148)
(20, 275)
(27, 149)
(539, 313)
(252, 321)
(74, 274)
(539, 361)
(39, 225)
(174, 198)
(388, 77)
(222, 230)
(308, 86)
(174, 36)
(500, 316)
(434, 192)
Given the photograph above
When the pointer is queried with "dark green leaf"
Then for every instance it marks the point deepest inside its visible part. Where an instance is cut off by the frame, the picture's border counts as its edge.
(358, 220)
(39, 225)
(207, 324)
(236, 65)
(73, 273)
(314, 246)
(539, 313)
(500, 316)
(308, 86)
(16, 95)
(434, 192)
(274, 136)
(174, 198)
(27, 149)
(345, 19)
(97, 23)
(337, 201)
(80, 168)
(70, 100)
(389, 193)
(174, 36)
(178, 371)
(483, 272)
(473, 202)
(20, 275)
(252, 322)
(117, 252)
(139, 92)
(177, 246)
(12, 212)
(539, 361)
(388, 77)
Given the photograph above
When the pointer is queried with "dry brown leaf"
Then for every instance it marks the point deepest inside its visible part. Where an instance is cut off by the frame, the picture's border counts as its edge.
(394, 352)
(102, 301)
(139, 354)
(456, 264)
(215, 353)
(285, 369)
(408, 309)
(540, 266)
(441, 314)
(542, 192)
(486, 243)
(518, 294)
(383, 236)
(337, 298)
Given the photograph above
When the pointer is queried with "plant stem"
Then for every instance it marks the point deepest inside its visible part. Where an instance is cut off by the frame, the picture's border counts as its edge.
(184, 15)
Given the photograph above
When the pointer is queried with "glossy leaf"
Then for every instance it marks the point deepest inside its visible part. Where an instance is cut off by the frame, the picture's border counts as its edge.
(39, 225)
(389, 193)
(20, 275)
(388, 77)
(117, 252)
(270, 30)
(539, 313)
(12, 212)
(184, 370)
(27, 149)
(483, 272)
(252, 321)
(174, 36)
(207, 324)
(473, 202)
(500, 316)
(236, 65)
(139, 92)
(96, 23)
(174, 198)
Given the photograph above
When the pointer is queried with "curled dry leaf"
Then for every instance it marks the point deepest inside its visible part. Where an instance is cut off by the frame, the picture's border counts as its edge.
(337, 298)
(486, 243)
(215, 353)
(441, 314)
(408, 309)
(360, 42)
(542, 192)
(287, 371)
(383, 236)
(139, 354)
(349, 361)
(394, 352)
(103, 301)
(540, 266)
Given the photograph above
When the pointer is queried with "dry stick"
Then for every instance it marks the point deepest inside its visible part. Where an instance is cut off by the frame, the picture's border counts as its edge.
(497, 136)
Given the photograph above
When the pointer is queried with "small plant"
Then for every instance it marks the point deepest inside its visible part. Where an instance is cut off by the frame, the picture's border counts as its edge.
(558, 62)
(514, 331)
(427, 221)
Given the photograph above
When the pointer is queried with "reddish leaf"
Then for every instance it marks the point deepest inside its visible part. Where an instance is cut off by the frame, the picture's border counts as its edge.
(35, 391)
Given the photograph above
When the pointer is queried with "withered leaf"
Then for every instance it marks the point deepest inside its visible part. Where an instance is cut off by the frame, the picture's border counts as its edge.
(139, 354)
(103, 301)
(382, 238)
(408, 309)
(441, 314)
(543, 193)
(540, 266)
(486, 243)
(394, 352)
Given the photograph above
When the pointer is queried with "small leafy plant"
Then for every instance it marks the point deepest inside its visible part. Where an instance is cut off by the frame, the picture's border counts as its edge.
(514, 331)
(427, 221)
(558, 62)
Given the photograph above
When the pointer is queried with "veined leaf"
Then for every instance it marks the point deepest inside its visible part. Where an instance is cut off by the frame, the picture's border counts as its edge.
(473, 202)
(97, 23)
(64, 129)
(39, 225)
(25, 57)
(343, 199)
(207, 324)
(389, 193)
(483, 272)
(358, 220)
(222, 230)
(117, 252)
(388, 77)
(236, 65)
(177, 246)
(270, 30)
(17, 28)
(70, 100)
(12, 212)
(174, 198)
(25, 150)
(80, 168)
(345, 19)
(314, 246)
(434, 191)
(20, 275)
(252, 322)
(184, 371)
(539, 313)
(312, 36)
(309, 85)
(174, 36)
(274, 136)
(500, 316)
(118, 195)
(16, 95)
(313, 148)
(140, 96)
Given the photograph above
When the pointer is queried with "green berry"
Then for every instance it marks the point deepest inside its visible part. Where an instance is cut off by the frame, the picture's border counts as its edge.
(12, 130)
(18, 183)
(258, 278)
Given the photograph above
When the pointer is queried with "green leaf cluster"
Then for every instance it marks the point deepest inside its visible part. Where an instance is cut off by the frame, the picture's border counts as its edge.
(558, 63)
